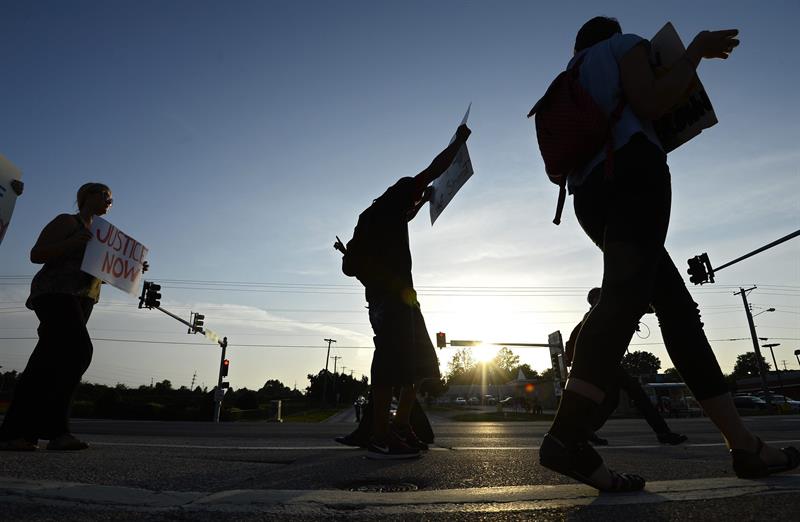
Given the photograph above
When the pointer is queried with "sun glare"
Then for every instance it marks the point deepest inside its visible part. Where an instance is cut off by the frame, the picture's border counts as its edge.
(484, 352)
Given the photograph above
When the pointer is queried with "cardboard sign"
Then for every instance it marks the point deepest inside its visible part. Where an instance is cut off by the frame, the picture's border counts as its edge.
(693, 111)
(114, 257)
(446, 185)
(8, 198)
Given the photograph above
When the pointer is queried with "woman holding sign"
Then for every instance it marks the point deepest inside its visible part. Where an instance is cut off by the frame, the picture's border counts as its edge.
(62, 296)
(622, 202)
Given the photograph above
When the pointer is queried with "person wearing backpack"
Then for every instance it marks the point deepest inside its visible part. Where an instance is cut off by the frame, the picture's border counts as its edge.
(622, 202)
(379, 256)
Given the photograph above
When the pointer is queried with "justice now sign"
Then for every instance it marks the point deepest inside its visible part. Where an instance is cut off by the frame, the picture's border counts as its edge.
(114, 257)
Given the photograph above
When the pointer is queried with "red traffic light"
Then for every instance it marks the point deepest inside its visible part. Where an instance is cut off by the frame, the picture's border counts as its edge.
(441, 340)
(225, 364)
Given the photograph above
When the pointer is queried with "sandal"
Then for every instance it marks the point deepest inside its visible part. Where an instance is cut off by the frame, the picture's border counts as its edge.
(19, 444)
(580, 461)
(750, 465)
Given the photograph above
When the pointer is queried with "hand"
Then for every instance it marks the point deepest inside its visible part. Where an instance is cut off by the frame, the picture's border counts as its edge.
(145, 267)
(713, 44)
(426, 194)
(340, 246)
(17, 186)
(463, 132)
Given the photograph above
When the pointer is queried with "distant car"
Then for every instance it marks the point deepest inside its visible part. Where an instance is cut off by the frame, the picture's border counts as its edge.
(489, 400)
(749, 403)
(508, 401)
(782, 402)
(474, 401)
(460, 401)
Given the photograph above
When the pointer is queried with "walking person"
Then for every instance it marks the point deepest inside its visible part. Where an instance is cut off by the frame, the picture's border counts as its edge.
(627, 216)
(62, 296)
(631, 386)
(404, 354)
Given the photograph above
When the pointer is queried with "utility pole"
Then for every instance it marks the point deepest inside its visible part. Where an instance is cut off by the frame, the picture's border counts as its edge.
(759, 359)
(327, 358)
(777, 370)
(335, 360)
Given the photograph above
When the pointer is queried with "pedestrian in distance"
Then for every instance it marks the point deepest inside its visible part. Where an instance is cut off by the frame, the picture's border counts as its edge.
(629, 384)
(379, 256)
(62, 296)
(625, 209)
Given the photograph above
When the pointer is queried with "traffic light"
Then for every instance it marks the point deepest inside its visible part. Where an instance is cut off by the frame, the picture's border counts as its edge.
(197, 323)
(441, 340)
(700, 270)
(150, 298)
(225, 364)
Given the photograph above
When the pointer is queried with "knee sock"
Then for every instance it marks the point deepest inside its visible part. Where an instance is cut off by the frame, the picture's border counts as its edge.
(575, 418)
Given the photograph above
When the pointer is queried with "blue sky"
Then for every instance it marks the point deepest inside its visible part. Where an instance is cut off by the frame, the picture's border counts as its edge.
(240, 137)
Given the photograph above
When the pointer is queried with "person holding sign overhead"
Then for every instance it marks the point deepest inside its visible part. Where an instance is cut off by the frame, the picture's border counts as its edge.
(379, 256)
(622, 202)
(62, 296)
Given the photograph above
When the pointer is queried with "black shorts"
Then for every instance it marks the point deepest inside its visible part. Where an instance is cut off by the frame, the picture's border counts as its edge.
(404, 353)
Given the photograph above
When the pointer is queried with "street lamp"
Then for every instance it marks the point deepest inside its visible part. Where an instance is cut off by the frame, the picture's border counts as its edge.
(771, 346)
(764, 311)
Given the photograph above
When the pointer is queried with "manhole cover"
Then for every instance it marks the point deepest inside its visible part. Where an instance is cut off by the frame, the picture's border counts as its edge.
(385, 488)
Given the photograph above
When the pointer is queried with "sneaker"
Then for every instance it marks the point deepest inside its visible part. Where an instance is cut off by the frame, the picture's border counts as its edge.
(390, 449)
(407, 435)
(352, 440)
(671, 437)
(66, 442)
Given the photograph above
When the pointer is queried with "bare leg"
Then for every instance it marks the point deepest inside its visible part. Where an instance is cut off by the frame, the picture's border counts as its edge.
(722, 412)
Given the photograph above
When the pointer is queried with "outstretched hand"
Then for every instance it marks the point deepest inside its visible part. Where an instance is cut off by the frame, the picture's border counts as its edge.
(463, 132)
(339, 246)
(714, 44)
(145, 267)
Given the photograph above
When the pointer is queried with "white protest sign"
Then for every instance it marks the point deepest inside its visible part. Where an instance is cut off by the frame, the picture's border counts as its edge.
(113, 256)
(8, 173)
(693, 111)
(446, 185)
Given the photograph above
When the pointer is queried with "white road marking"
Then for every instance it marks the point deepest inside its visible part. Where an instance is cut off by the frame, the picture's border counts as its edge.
(330, 502)
(433, 448)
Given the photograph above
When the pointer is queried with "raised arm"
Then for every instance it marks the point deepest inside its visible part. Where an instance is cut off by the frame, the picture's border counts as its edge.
(651, 97)
(441, 162)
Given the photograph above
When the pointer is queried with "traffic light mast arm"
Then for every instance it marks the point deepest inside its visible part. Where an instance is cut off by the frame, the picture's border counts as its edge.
(696, 269)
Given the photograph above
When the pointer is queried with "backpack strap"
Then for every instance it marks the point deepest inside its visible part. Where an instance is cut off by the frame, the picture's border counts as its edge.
(562, 196)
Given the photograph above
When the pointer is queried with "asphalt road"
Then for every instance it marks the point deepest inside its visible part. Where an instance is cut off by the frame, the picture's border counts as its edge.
(475, 471)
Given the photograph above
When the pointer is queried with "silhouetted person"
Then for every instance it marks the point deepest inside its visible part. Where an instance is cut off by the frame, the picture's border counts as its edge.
(626, 214)
(62, 296)
(404, 355)
(629, 384)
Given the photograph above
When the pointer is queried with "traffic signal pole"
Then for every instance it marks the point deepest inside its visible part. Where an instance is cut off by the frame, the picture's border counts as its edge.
(219, 393)
(150, 298)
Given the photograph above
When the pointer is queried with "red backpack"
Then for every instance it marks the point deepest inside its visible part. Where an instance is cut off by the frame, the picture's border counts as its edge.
(571, 129)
